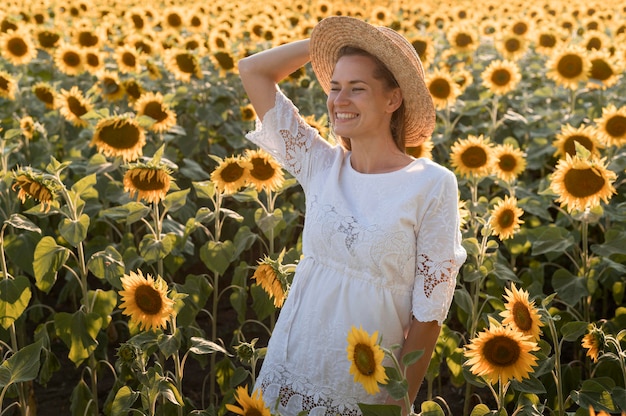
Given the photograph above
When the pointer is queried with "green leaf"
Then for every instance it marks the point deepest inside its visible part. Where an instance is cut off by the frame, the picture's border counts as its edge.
(217, 255)
(23, 223)
(170, 392)
(203, 346)
(550, 240)
(205, 189)
(529, 385)
(130, 212)
(614, 243)
(75, 231)
(380, 409)
(15, 295)
(123, 401)
(412, 357)
(463, 300)
(480, 410)
(81, 399)
(198, 290)
(270, 224)
(85, 187)
(176, 200)
(49, 258)
(78, 331)
(169, 344)
(21, 366)
(430, 408)
(153, 250)
(571, 331)
(107, 264)
(103, 303)
(568, 287)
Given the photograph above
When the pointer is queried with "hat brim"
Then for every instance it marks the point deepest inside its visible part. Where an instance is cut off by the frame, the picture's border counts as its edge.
(333, 33)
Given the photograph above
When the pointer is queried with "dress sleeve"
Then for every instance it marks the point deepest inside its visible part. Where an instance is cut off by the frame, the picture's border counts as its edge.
(439, 254)
(285, 135)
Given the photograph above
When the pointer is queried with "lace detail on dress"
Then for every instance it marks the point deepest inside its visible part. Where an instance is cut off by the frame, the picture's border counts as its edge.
(295, 147)
(434, 272)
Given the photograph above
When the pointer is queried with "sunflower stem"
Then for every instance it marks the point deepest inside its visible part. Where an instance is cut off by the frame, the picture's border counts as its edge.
(557, 374)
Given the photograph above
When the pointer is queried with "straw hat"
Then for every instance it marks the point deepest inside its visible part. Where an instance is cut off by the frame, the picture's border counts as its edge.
(335, 32)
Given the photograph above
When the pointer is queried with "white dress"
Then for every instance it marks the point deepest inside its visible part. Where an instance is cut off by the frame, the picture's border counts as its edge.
(377, 248)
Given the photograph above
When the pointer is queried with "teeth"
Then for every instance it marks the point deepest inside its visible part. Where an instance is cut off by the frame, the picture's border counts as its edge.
(345, 116)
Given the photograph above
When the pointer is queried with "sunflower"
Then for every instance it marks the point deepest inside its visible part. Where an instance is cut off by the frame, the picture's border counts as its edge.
(174, 18)
(463, 38)
(582, 182)
(501, 76)
(424, 47)
(27, 125)
(380, 16)
(154, 72)
(231, 174)
(443, 89)
(319, 123)
(94, 60)
(569, 66)
(463, 77)
(612, 125)
(509, 163)
(128, 59)
(472, 157)
(265, 172)
(521, 313)
(224, 61)
(505, 218)
(152, 105)
(585, 135)
(119, 136)
(366, 358)
(269, 279)
(17, 47)
(44, 93)
(137, 18)
(250, 405)
(87, 37)
(501, 353)
(247, 112)
(512, 47)
(69, 59)
(604, 71)
(547, 40)
(183, 64)
(110, 87)
(133, 89)
(8, 86)
(47, 38)
(73, 105)
(595, 40)
(425, 149)
(145, 300)
(150, 181)
(593, 342)
(34, 185)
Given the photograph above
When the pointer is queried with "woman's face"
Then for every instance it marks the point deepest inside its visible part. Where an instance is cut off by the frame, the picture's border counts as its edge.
(359, 105)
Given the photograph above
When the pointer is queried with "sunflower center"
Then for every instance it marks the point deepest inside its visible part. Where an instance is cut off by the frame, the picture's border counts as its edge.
(133, 89)
(148, 179)
(474, 157)
(155, 110)
(71, 59)
(225, 60)
(44, 95)
(601, 70)
(512, 45)
(253, 411)
(520, 28)
(48, 39)
(129, 59)
(137, 21)
(570, 144)
(174, 20)
(506, 218)
(17, 47)
(148, 299)
(420, 47)
(594, 44)
(501, 77)
(110, 86)
(521, 316)
(92, 60)
(261, 169)
(502, 351)
(186, 63)
(616, 126)
(120, 136)
(463, 39)
(87, 39)
(570, 66)
(547, 40)
(582, 183)
(364, 359)
(76, 107)
(440, 88)
(232, 173)
(507, 163)
(4, 84)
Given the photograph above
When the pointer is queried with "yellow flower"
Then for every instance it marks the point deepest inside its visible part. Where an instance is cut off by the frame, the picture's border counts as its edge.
(424, 47)
(501, 76)
(472, 157)
(150, 182)
(250, 405)
(265, 171)
(73, 105)
(224, 61)
(443, 89)
(463, 38)
(604, 70)
(512, 47)
(173, 18)
(145, 301)
(587, 136)
(128, 59)
(593, 342)
(320, 124)
(366, 359)
(509, 163)
(69, 59)
(151, 104)
(231, 174)
(268, 278)
(183, 64)
(87, 37)
(44, 92)
(425, 149)
(463, 77)
(8, 86)
(33, 185)
(119, 137)
(521, 313)
(110, 87)
(27, 125)
(17, 47)
(47, 38)
(569, 67)
(612, 125)
(133, 89)
(94, 60)
(582, 183)
(247, 112)
(501, 353)
(505, 218)
(547, 39)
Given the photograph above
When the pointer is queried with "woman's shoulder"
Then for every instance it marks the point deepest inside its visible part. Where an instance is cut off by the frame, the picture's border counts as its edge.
(427, 167)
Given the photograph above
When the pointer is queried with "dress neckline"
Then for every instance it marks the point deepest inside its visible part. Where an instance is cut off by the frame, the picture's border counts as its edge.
(391, 172)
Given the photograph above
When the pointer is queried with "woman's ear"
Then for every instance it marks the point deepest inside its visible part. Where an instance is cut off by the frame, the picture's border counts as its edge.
(395, 100)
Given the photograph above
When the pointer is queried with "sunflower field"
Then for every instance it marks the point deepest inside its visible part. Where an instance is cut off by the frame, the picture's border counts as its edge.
(147, 247)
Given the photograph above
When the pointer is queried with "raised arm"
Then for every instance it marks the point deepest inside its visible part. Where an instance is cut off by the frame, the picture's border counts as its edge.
(262, 71)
